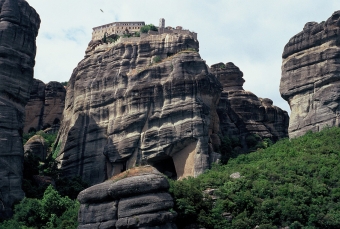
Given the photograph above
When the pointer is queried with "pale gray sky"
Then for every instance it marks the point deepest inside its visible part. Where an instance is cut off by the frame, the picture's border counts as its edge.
(249, 33)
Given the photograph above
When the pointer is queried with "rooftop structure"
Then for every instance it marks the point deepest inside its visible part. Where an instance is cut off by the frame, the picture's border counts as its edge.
(118, 28)
(121, 28)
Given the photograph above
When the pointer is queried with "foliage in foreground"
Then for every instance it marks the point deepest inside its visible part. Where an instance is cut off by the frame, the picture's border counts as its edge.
(51, 211)
(293, 183)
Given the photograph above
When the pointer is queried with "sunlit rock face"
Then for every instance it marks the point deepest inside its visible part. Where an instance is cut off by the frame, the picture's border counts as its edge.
(242, 113)
(19, 24)
(310, 76)
(45, 107)
(124, 107)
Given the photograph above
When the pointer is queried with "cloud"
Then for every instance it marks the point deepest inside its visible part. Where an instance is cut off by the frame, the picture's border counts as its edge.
(251, 34)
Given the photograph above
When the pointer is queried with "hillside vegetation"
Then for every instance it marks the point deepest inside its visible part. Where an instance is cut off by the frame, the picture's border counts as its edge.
(292, 183)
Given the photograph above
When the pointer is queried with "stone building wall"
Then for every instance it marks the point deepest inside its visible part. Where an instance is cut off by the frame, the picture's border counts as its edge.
(116, 28)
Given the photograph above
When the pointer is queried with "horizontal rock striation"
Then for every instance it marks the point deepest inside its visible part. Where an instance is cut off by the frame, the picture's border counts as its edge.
(310, 76)
(149, 100)
(19, 24)
(137, 198)
(242, 113)
(45, 107)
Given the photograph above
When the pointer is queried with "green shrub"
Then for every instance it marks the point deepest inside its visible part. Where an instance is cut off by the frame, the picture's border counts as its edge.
(51, 211)
(146, 28)
(156, 59)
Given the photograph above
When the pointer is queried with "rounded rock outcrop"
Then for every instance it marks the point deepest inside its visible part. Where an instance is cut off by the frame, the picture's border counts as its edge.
(36, 146)
(136, 198)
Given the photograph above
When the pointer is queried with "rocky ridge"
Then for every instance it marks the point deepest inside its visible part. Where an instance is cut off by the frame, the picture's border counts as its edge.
(242, 113)
(150, 100)
(137, 198)
(310, 72)
(45, 106)
(19, 27)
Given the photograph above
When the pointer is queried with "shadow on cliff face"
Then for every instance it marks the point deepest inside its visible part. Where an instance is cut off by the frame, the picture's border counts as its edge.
(87, 138)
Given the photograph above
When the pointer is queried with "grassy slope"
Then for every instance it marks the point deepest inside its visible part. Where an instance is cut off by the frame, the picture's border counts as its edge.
(292, 183)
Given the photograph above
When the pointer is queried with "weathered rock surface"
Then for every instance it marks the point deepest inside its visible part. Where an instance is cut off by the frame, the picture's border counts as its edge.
(242, 113)
(19, 24)
(133, 206)
(123, 108)
(36, 146)
(310, 76)
(45, 106)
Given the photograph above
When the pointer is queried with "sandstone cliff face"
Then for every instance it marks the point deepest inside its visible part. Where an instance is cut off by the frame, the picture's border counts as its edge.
(242, 113)
(45, 106)
(124, 107)
(19, 24)
(137, 198)
(310, 76)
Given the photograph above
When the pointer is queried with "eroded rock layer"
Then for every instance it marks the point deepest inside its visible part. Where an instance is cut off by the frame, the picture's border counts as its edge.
(137, 198)
(19, 24)
(310, 76)
(45, 106)
(242, 113)
(140, 101)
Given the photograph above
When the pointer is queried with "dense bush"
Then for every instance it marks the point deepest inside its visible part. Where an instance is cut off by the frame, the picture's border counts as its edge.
(156, 59)
(293, 183)
(51, 211)
(146, 28)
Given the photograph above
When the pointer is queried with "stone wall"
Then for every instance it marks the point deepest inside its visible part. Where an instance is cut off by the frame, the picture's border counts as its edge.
(116, 28)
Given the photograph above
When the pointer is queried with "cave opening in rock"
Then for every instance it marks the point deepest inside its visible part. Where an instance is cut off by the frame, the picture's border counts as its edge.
(166, 166)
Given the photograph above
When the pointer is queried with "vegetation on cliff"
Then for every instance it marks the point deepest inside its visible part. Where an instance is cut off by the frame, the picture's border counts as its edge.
(147, 28)
(293, 183)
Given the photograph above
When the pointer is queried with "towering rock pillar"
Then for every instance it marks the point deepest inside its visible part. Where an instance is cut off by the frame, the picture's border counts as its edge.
(19, 24)
(310, 76)
(143, 100)
(242, 113)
